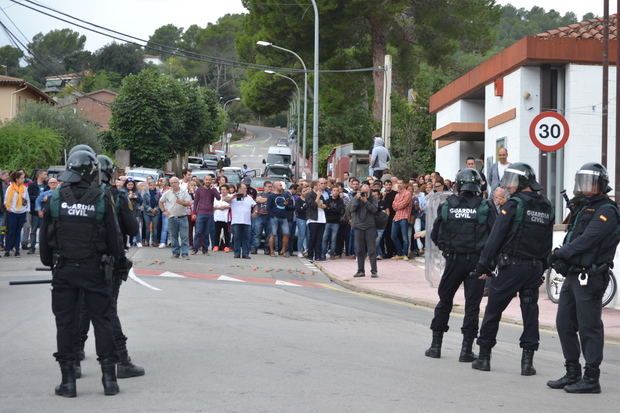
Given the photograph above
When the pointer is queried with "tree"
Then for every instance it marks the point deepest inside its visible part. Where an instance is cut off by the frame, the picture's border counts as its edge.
(9, 56)
(168, 35)
(71, 127)
(49, 51)
(27, 145)
(78, 61)
(157, 117)
(123, 59)
(101, 80)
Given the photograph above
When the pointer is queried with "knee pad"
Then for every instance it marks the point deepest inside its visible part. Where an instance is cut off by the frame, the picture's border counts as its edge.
(529, 295)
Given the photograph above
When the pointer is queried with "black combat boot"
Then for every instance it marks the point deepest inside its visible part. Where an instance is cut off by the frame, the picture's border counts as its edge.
(588, 384)
(483, 362)
(467, 355)
(67, 387)
(527, 363)
(78, 369)
(110, 386)
(572, 376)
(434, 351)
(125, 368)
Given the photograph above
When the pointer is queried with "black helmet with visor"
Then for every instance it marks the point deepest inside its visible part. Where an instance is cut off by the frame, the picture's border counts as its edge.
(521, 176)
(468, 179)
(591, 179)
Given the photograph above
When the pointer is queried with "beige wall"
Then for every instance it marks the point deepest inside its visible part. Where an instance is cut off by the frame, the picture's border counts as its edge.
(9, 103)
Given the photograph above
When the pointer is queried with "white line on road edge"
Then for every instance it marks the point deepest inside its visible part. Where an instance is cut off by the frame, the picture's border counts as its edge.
(132, 275)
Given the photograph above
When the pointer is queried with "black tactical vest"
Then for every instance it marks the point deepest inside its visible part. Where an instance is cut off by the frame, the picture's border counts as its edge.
(77, 231)
(464, 228)
(531, 233)
(605, 251)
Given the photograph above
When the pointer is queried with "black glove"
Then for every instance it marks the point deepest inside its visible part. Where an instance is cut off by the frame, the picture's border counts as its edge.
(558, 264)
(123, 267)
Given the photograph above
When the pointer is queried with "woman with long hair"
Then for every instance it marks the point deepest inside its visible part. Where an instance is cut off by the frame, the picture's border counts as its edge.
(17, 204)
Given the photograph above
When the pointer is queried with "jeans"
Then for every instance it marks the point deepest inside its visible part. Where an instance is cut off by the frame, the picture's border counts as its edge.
(351, 242)
(291, 237)
(14, 225)
(259, 224)
(35, 224)
(205, 231)
(179, 227)
(401, 227)
(276, 223)
(138, 238)
(417, 227)
(315, 239)
(148, 220)
(2, 223)
(302, 232)
(330, 235)
(378, 243)
(164, 229)
(242, 234)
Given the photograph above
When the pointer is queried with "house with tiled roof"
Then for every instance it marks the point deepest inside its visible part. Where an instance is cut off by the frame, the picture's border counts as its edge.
(493, 105)
(14, 92)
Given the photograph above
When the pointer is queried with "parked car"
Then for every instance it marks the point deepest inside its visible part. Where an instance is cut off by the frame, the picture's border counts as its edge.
(219, 153)
(194, 162)
(210, 160)
(278, 171)
(259, 183)
(140, 174)
(282, 142)
(201, 173)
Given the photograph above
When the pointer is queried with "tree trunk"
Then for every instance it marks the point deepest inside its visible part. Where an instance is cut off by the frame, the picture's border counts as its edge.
(378, 42)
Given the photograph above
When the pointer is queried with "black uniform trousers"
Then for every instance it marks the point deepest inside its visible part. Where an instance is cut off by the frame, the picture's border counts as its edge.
(120, 340)
(522, 277)
(68, 280)
(458, 267)
(579, 311)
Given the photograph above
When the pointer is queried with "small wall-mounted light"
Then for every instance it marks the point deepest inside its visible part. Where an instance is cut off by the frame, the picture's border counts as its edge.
(527, 95)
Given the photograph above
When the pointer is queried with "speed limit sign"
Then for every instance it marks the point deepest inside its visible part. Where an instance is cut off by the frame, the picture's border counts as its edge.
(549, 131)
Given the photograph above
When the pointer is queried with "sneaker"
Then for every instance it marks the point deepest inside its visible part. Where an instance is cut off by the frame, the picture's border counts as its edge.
(396, 257)
(359, 274)
(237, 256)
(139, 245)
(175, 255)
(328, 256)
(30, 251)
(216, 249)
(7, 253)
(246, 257)
(379, 257)
(300, 254)
(162, 246)
(205, 252)
(404, 258)
(185, 256)
(286, 255)
(374, 275)
(226, 249)
(253, 252)
(17, 254)
(194, 252)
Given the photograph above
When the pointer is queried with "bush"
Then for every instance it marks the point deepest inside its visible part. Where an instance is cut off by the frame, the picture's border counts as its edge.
(28, 146)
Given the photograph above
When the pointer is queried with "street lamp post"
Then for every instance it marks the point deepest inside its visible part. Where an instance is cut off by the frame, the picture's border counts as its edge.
(231, 100)
(271, 72)
(315, 117)
(303, 64)
(224, 133)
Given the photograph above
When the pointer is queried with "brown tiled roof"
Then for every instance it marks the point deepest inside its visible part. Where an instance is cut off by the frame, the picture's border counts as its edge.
(587, 29)
(21, 83)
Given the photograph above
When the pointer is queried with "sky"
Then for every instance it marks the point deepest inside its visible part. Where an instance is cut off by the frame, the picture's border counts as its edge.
(140, 18)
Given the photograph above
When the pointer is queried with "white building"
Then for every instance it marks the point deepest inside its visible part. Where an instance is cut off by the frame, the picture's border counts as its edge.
(493, 105)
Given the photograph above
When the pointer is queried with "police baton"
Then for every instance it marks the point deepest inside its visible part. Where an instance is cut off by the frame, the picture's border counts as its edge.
(28, 282)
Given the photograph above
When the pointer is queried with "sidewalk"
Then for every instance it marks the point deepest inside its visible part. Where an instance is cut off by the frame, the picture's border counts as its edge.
(405, 281)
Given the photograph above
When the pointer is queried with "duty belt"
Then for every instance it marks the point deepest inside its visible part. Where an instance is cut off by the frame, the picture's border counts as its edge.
(505, 259)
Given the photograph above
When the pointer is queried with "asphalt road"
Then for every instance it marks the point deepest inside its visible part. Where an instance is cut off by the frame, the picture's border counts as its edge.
(253, 151)
(219, 346)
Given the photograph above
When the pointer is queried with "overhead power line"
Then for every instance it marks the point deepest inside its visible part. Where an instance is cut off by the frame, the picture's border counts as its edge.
(174, 51)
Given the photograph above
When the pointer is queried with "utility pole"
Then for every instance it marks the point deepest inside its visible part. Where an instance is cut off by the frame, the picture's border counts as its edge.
(605, 117)
(315, 115)
(386, 118)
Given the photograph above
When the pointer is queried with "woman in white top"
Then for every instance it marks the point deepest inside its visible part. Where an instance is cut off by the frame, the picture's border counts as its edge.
(17, 204)
(315, 218)
(241, 206)
(221, 216)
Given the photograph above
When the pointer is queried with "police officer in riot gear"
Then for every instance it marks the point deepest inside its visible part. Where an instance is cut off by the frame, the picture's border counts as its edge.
(79, 234)
(519, 243)
(585, 259)
(128, 226)
(82, 147)
(460, 231)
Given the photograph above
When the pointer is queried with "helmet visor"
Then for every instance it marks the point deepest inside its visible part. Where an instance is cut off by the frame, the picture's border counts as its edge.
(587, 182)
(511, 178)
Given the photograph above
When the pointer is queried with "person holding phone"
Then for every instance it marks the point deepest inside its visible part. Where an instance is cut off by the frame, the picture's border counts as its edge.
(363, 208)
(242, 206)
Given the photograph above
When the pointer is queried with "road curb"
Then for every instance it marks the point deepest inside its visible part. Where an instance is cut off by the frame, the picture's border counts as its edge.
(431, 304)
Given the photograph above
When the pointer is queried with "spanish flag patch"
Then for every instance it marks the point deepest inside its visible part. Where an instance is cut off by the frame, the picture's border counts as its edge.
(603, 218)
(504, 212)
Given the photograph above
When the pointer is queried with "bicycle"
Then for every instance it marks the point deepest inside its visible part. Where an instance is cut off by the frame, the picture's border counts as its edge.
(554, 282)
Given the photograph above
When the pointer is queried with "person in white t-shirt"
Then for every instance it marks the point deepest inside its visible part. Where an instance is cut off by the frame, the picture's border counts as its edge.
(241, 206)
(315, 218)
(497, 169)
(221, 217)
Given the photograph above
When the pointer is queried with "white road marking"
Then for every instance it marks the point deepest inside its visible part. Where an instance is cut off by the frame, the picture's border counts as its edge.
(225, 278)
(170, 274)
(132, 275)
(280, 282)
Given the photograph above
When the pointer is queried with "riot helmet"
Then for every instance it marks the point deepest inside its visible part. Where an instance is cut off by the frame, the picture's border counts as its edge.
(81, 165)
(591, 179)
(520, 175)
(81, 147)
(106, 166)
(468, 179)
